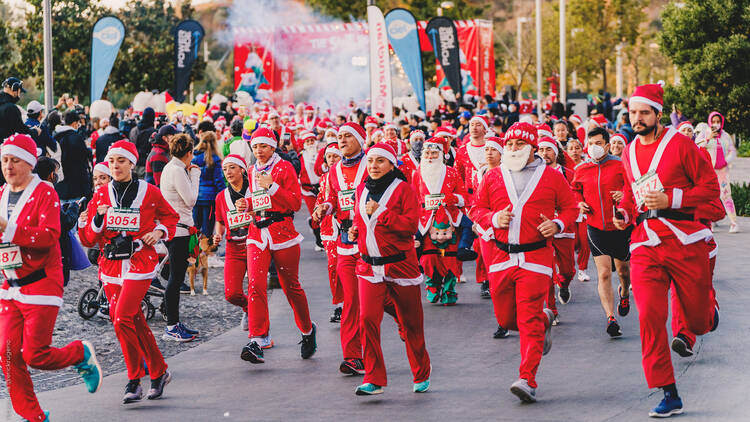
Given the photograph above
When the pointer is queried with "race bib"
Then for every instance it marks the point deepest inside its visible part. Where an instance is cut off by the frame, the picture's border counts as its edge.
(124, 219)
(645, 184)
(10, 256)
(237, 220)
(346, 200)
(433, 201)
(261, 200)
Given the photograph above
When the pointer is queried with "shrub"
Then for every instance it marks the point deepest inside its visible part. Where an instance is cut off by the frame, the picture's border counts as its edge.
(741, 197)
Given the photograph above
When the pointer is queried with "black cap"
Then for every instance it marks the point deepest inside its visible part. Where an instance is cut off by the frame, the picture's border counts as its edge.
(14, 83)
(167, 130)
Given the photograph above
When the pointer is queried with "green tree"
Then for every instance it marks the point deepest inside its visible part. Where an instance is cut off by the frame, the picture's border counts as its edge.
(6, 52)
(708, 41)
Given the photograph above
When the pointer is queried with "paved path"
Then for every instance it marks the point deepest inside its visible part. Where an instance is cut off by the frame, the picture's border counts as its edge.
(586, 376)
(740, 170)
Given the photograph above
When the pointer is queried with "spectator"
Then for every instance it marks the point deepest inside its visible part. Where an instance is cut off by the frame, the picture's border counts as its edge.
(10, 116)
(235, 129)
(34, 117)
(140, 136)
(75, 159)
(110, 135)
(159, 155)
(211, 182)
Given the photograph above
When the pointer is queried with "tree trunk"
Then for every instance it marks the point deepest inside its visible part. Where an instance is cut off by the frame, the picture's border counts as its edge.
(604, 75)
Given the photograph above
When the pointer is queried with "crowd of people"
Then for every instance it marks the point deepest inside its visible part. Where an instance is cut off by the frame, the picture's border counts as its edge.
(392, 204)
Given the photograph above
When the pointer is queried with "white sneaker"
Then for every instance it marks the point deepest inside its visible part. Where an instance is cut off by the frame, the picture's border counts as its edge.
(243, 322)
(318, 248)
(548, 332)
(523, 391)
(582, 276)
(263, 342)
(462, 279)
(734, 228)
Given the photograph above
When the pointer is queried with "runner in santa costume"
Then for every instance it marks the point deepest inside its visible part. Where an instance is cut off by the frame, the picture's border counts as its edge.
(574, 150)
(272, 199)
(563, 242)
(233, 226)
(410, 160)
(128, 216)
(442, 196)
(386, 218)
(310, 181)
(519, 201)
(390, 131)
(320, 161)
(309, 121)
(598, 186)
(447, 134)
(669, 178)
(31, 293)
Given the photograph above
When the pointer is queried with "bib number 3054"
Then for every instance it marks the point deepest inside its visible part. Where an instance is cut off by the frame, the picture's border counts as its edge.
(10, 256)
(123, 219)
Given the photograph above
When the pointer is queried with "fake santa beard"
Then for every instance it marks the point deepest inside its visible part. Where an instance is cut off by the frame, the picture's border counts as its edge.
(516, 160)
(430, 170)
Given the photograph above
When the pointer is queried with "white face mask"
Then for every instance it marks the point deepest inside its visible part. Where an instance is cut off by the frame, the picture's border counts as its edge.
(597, 152)
(516, 160)
(715, 127)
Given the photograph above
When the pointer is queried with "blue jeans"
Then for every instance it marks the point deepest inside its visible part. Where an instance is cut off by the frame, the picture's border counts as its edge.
(205, 217)
(467, 235)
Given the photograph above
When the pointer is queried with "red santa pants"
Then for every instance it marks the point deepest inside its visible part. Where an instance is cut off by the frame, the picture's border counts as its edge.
(136, 339)
(653, 270)
(481, 269)
(337, 291)
(373, 298)
(287, 265)
(582, 245)
(25, 338)
(679, 324)
(235, 268)
(564, 260)
(518, 299)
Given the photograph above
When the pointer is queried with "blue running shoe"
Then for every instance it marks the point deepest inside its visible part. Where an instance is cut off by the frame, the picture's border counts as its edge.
(368, 390)
(89, 368)
(46, 417)
(177, 333)
(669, 406)
(422, 387)
(188, 330)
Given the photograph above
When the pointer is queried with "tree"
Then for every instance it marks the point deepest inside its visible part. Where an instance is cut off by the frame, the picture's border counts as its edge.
(6, 53)
(708, 41)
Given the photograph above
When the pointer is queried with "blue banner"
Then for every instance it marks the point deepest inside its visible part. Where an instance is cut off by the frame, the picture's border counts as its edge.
(404, 38)
(105, 44)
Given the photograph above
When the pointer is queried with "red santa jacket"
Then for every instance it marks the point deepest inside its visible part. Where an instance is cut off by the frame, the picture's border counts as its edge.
(545, 194)
(568, 232)
(468, 168)
(688, 181)
(593, 184)
(398, 145)
(155, 213)
(409, 165)
(451, 187)
(225, 206)
(33, 226)
(335, 199)
(320, 166)
(307, 177)
(388, 231)
(328, 230)
(285, 198)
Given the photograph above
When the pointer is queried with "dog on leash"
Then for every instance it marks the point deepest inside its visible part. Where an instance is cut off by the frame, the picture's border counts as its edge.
(200, 263)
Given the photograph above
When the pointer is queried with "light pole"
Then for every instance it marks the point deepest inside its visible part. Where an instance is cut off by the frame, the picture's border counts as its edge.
(574, 74)
(519, 21)
(618, 82)
(563, 70)
(47, 35)
(539, 110)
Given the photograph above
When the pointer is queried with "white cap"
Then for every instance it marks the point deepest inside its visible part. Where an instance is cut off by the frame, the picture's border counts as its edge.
(34, 107)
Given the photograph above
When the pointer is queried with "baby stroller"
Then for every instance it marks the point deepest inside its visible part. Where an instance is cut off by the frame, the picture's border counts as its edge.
(94, 300)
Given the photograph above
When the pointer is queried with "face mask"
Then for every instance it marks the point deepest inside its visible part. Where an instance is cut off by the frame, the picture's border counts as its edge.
(516, 160)
(597, 152)
(715, 128)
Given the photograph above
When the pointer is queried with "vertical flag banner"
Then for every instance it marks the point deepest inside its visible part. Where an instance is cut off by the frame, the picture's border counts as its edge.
(404, 38)
(106, 39)
(187, 39)
(444, 38)
(381, 97)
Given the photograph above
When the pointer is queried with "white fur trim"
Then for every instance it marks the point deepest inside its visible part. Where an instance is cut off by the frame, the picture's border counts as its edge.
(263, 140)
(122, 152)
(676, 198)
(383, 153)
(549, 145)
(481, 120)
(14, 293)
(273, 188)
(237, 161)
(103, 168)
(19, 152)
(646, 101)
(495, 145)
(353, 132)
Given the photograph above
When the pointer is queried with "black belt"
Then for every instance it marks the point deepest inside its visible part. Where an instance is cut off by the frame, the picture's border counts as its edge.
(382, 260)
(523, 247)
(25, 281)
(440, 252)
(270, 217)
(183, 226)
(668, 214)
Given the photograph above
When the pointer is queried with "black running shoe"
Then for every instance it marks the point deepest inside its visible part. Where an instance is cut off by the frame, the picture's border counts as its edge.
(308, 344)
(681, 346)
(336, 315)
(501, 332)
(185, 289)
(352, 367)
(716, 319)
(563, 294)
(157, 386)
(484, 291)
(252, 353)
(133, 392)
(466, 254)
(624, 307)
(613, 328)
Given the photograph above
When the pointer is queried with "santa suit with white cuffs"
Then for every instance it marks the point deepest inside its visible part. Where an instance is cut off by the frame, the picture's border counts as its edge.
(329, 235)
(520, 269)
(388, 267)
(309, 180)
(668, 245)
(31, 294)
(272, 235)
(127, 280)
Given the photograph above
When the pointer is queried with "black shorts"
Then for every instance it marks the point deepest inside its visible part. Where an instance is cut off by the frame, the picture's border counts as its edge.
(613, 243)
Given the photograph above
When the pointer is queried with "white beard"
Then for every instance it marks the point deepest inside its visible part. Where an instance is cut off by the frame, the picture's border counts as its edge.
(431, 172)
(516, 160)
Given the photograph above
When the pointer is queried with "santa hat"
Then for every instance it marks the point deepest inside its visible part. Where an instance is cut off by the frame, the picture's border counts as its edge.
(235, 159)
(621, 137)
(481, 119)
(333, 148)
(102, 168)
(600, 120)
(272, 114)
(650, 94)
(23, 147)
(524, 131)
(309, 108)
(442, 132)
(371, 122)
(434, 143)
(355, 130)
(381, 149)
(331, 131)
(390, 126)
(575, 118)
(416, 134)
(544, 130)
(263, 135)
(125, 149)
(548, 142)
(221, 121)
(305, 135)
(494, 142)
(685, 124)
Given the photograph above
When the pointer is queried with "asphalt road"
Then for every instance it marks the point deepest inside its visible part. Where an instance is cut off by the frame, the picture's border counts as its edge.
(586, 377)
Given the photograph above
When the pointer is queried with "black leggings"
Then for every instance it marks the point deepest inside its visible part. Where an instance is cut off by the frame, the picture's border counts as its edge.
(178, 255)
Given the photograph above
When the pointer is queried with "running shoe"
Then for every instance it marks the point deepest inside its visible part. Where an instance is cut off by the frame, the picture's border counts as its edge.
(501, 332)
(523, 391)
(547, 333)
(252, 353)
(368, 390)
(613, 328)
(716, 318)
(336, 315)
(421, 387)
(466, 254)
(734, 228)
(264, 342)
(582, 276)
(624, 307)
(309, 345)
(563, 294)
(157, 386)
(89, 368)
(103, 312)
(670, 405)
(46, 417)
(352, 367)
(243, 322)
(184, 289)
(462, 279)
(681, 346)
(133, 392)
(156, 285)
(188, 330)
(177, 334)
(484, 291)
